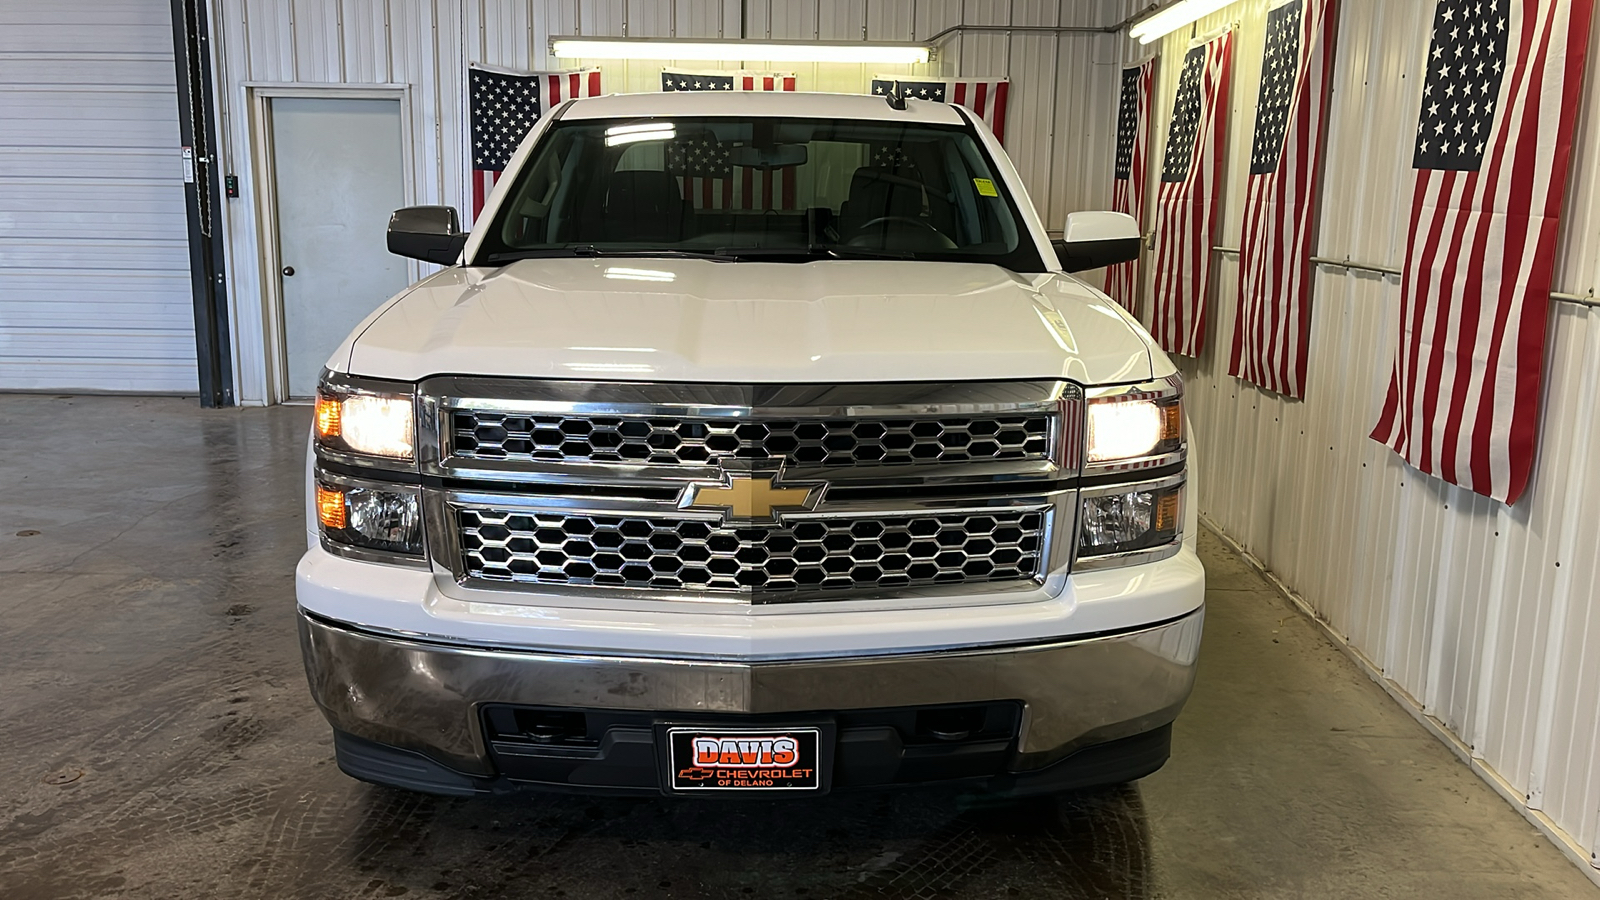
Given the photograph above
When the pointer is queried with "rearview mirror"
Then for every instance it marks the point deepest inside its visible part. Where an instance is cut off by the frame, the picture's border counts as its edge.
(774, 157)
(429, 233)
(1095, 239)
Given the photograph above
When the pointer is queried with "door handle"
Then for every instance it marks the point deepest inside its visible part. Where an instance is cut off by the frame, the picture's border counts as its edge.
(288, 271)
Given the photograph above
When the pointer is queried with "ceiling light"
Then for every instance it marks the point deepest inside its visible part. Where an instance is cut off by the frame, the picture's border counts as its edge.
(737, 50)
(627, 274)
(1165, 21)
(641, 126)
(610, 367)
(659, 133)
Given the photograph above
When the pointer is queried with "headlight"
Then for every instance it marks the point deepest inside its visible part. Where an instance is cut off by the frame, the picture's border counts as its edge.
(370, 515)
(1128, 518)
(1132, 432)
(369, 423)
(1141, 422)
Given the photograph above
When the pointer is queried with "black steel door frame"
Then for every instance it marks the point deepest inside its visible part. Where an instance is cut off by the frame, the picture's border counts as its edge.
(191, 43)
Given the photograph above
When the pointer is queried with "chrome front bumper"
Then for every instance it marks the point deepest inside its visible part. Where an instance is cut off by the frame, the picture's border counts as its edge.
(425, 697)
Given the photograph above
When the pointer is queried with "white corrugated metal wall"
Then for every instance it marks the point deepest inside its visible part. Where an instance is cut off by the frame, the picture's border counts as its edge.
(94, 252)
(1063, 86)
(1483, 617)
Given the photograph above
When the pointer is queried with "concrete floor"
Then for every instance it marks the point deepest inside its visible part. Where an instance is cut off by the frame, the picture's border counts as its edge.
(157, 740)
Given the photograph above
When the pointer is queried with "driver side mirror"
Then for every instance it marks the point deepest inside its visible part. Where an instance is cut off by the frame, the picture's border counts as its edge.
(1095, 239)
(429, 233)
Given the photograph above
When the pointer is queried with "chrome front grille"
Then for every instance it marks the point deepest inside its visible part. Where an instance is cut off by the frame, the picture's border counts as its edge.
(867, 552)
(698, 441)
(637, 491)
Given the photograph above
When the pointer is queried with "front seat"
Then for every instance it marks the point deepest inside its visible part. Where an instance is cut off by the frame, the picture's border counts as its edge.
(878, 194)
(643, 206)
(875, 192)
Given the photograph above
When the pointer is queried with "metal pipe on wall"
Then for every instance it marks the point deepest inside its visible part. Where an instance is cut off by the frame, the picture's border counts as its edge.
(1588, 299)
(1039, 29)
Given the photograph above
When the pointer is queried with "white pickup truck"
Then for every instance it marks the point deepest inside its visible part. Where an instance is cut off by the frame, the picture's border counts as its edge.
(751, 443)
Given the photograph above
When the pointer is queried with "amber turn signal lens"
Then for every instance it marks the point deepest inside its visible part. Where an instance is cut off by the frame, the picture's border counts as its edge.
(330, 508)
(1167, 513)
(327, 417)
(1172, 422)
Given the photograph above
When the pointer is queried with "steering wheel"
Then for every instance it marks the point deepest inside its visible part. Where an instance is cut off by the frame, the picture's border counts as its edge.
(908, 220)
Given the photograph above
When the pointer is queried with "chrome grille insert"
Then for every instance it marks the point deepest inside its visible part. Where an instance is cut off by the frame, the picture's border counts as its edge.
(696, 441)
(921, 490)
(853, 554)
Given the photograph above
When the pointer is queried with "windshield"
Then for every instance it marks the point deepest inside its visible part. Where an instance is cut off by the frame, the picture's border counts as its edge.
(768, 189)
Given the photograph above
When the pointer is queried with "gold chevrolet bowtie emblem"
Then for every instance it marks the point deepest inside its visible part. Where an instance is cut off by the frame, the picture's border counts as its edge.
(746, 497)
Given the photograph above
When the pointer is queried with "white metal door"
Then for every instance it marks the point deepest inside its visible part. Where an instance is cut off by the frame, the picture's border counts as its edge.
(337, 168)
(94, 242)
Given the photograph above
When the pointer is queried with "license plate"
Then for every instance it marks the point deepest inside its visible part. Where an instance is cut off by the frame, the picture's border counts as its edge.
(740, 760)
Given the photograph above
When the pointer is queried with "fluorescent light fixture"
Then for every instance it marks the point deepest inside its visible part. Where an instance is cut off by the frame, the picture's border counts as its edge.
(642, 126)
(610, 367)
(632, 134)
(1165, 21)
(737, 50)
(627, 274)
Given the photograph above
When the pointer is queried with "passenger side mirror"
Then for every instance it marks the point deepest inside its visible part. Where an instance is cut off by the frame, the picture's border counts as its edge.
(429, 233)
(1095, 239)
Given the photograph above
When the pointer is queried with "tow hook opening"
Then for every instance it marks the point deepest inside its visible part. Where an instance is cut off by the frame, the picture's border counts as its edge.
(950, 724)
(543, 726)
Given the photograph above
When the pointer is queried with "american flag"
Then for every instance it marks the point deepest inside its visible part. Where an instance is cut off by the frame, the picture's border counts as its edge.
(503, 105)
(984, 96)
(1127, 185)
(1186, 208)
(707, 180)
(1272, 331)
(700, 163)
(690, 81)
(894, 158)
(1493, 139)
(674, 80)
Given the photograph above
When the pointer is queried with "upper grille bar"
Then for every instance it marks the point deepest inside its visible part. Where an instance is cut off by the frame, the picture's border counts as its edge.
(627, 434)
(487, 434)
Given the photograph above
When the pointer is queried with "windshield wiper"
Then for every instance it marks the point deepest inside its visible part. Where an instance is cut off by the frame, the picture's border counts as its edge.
(771, 253)
(721, 254)
(585, 250)
(813, 252)
(867, 253)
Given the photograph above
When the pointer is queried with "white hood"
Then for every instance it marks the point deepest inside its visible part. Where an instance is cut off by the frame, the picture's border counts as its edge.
(647, 319)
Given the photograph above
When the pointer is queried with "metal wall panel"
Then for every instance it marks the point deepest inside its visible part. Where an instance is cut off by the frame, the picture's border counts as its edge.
(94, 253)
(365, 42)
(1062, 84)
(892, 20)
(1486, 617)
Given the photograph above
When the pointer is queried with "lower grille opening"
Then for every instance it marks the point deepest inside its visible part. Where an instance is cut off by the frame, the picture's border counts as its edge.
(621, 748)
(795, 555)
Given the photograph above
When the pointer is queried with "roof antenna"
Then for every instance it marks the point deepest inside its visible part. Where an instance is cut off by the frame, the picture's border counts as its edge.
(896, 99)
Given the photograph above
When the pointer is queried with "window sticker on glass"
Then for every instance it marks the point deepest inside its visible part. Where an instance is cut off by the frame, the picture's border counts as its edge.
(985, 187)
